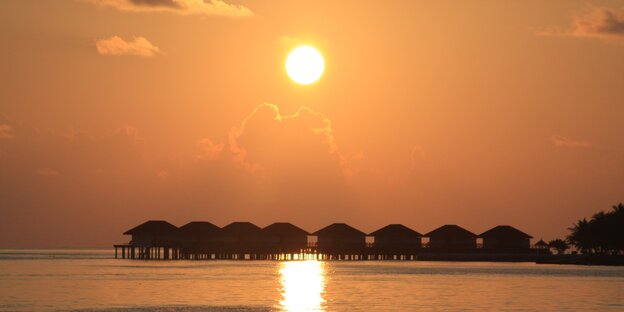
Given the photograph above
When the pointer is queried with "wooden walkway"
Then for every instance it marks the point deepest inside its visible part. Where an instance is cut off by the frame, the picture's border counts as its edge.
(125, 251)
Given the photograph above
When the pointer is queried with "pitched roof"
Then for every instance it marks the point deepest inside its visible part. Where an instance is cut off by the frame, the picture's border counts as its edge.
(504, 231)
(284, 229)
(198, 228)
(158, 227)
(395, 230)
(240, 228)
(451, 230)
(339, 229)
(541, 243)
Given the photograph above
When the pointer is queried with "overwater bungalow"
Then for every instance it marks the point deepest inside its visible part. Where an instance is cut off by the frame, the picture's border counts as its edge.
(505, 238)
(451, 238)
(283, 237)
(396, 239)
(542, 245)
(149, 240)
(198, 236)
(340, 238)
(201, 240)
(153, 233)
(240, 238)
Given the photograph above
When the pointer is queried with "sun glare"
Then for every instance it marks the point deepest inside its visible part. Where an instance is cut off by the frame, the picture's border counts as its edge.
(305, 65)
(302, 285)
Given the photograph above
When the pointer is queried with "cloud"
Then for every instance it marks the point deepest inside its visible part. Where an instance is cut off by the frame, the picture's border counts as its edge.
(156, 3)
(100, 180)
(561, 141)
(266, 127)
(296, 158)
(182, 7)
(599, 23)
(98, 185)
(6, 132)
(116, 46)
(208, 150)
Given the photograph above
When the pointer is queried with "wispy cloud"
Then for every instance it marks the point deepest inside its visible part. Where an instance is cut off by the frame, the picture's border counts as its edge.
(561, 141)
(293, 161)
(266, 121)
(600, 23)
(183, 7)
(208, 150)
(116, 46)
(156, 3)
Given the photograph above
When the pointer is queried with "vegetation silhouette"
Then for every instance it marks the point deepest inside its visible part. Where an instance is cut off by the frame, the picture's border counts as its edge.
(603, 234)
(560, 245)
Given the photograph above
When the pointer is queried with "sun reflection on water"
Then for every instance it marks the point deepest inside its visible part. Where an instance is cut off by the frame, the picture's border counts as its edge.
(302, 285)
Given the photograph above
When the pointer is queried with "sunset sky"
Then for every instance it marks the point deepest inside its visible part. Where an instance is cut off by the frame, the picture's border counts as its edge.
(475, 113)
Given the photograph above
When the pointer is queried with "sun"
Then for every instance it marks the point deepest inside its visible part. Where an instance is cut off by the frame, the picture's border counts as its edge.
(305, 65)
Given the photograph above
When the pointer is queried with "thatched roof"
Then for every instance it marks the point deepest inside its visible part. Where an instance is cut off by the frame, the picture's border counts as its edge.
(395, 230)
(240, 228)
(505, 232)
(153, 227)
(338, 230)
(198, 228)
(450, 231)
(284, 229)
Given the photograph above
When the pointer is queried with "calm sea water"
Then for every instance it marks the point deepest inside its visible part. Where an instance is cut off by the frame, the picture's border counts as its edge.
(90, 280)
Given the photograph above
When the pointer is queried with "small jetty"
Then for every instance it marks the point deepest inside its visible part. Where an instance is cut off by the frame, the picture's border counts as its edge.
(202, 240)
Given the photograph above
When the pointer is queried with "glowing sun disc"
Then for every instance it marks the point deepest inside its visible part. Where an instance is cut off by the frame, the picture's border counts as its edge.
(305, 65)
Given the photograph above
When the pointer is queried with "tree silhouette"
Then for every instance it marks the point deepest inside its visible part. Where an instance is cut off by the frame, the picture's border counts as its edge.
(559, 244)
(603, 234)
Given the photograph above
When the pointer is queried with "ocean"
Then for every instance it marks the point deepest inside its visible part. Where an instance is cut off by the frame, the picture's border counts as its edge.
(91, 280)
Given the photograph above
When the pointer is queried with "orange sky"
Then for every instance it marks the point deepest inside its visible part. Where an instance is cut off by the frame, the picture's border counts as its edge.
(429, 112)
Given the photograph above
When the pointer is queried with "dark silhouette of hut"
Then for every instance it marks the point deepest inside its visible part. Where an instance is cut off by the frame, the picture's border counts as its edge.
(151, 239)
(153, 233)
(340, 238)
(240, 238)
(505, 238)
(283, 237)
(198, 235)
(396, 239)
(542, 245)
(452, 238)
